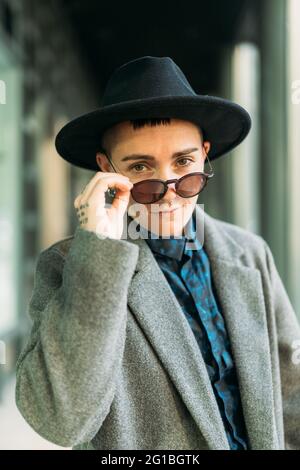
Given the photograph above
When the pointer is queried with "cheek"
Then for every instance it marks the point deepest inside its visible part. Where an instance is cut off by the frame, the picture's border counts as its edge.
(188, 207)
(191, 201)
(135, 209)
(131, 201)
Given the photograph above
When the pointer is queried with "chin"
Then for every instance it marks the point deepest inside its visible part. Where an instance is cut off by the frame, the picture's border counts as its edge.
(163, 223)
(170, 223)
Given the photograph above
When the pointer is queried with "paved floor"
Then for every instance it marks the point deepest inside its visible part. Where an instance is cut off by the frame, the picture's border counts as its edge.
(15, 433)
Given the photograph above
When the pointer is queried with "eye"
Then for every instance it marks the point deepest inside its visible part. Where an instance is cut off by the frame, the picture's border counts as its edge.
(133, 167)
(186, 159)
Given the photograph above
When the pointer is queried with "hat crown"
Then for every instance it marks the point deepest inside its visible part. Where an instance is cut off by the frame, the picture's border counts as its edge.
(149, 87)
(146, 77)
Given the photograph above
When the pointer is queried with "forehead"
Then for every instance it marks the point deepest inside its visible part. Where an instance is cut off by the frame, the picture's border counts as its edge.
(123, 136)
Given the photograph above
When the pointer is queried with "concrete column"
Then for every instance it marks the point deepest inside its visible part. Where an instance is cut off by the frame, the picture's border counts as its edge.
(293, 162)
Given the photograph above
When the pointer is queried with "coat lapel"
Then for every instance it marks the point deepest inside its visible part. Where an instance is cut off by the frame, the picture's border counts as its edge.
(241, 299)
(239, 293)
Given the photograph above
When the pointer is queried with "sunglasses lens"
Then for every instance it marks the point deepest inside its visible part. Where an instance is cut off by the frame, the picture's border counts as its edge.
(147, 192)
(191, 185)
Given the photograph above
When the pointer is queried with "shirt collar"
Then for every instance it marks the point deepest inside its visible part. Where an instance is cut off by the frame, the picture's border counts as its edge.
(171, 246)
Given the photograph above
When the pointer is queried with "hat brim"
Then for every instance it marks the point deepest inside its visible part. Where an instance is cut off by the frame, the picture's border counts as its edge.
(225, 124)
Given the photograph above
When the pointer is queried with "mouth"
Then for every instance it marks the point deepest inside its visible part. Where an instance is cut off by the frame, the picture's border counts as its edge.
(170, 211)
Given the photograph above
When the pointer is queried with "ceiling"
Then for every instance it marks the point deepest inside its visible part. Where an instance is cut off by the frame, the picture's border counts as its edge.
(192, 33)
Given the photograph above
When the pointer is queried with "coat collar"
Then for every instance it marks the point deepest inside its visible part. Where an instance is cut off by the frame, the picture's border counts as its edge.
(172, 247)
(218, 244)
(239, 292)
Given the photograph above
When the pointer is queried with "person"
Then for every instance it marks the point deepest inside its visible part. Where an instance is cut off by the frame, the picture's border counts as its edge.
(156, 325)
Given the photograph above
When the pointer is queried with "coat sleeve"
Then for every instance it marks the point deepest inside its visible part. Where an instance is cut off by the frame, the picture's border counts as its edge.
(288, 337)
(66, 374)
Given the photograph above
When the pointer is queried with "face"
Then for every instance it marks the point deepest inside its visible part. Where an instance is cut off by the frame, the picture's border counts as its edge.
(170, 214)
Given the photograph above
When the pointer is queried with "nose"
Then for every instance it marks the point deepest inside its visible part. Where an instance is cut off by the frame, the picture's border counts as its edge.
(171, 192)
(169, 197)
(166, 174)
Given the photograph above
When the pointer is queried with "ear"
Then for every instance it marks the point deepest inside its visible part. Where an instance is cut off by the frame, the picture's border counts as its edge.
(206, 146)
(102, 161)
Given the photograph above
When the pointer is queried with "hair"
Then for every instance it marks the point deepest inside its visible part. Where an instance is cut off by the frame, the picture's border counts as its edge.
(141, 122)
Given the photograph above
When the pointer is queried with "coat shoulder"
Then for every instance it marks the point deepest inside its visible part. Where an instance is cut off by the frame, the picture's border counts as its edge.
(252, 244)
(61, 246)
(240, 234)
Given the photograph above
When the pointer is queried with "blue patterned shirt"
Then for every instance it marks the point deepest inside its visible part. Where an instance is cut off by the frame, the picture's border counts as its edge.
(188, 272)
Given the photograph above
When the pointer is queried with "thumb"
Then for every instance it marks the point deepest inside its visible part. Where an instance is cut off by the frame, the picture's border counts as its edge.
(121, 201)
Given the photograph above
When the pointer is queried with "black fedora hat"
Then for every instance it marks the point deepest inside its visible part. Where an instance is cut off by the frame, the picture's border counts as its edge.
(149, 87)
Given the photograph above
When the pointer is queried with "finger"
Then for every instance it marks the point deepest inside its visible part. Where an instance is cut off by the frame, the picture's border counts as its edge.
(104, 182)
(78, 199)
(99, 174)
(85, 194)
(121, 200)
(98, 191)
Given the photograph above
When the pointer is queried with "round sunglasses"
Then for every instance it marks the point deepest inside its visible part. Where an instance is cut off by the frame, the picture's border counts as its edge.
(150, 191)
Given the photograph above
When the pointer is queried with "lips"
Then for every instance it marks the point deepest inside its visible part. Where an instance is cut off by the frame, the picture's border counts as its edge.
(165, 211)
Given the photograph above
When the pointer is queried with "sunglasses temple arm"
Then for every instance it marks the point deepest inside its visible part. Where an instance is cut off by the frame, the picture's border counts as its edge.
(210, 167)
(110, 190)
(109, 159)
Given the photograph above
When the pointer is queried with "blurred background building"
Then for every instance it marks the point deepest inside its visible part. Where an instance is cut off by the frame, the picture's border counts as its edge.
(55, 59)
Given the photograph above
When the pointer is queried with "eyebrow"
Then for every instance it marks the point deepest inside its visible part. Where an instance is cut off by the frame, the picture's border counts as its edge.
(137, 156)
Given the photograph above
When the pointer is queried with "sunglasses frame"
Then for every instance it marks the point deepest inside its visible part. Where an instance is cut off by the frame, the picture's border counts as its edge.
(177, 181)
(164, 182)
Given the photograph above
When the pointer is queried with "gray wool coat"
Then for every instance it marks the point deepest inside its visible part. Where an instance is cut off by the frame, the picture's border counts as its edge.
(112, 363)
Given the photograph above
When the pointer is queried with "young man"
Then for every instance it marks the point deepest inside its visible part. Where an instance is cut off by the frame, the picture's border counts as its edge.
(169, 340)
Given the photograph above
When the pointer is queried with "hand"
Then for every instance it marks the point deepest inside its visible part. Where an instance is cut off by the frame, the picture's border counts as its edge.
(90, 204)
